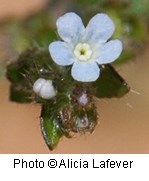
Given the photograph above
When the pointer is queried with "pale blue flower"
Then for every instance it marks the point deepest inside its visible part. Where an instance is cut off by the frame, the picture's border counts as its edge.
(85, 48)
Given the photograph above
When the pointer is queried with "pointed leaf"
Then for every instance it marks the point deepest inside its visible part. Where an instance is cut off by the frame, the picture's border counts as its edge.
(17, 94)
(33, 62)
(110, 84)
(50, 127)
(30, 65)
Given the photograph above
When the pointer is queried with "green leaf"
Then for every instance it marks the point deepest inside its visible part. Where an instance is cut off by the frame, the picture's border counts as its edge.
(34, 62)
(137, 29)
(30, 65)
(35, 29)
(50, 127)
(18, 38)
(17, 94)
(137, 8)
(39, 28)
(110, 84)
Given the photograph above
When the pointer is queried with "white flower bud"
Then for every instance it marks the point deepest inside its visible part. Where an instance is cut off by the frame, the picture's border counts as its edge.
(44, 88)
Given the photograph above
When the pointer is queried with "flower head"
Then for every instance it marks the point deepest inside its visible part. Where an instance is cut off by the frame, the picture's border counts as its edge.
(85, 48)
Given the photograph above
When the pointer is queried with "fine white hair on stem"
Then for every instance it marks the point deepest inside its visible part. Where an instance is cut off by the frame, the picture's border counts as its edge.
(135, 92)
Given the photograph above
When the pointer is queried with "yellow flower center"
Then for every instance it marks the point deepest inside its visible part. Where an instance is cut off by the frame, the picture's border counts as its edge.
(83, 51)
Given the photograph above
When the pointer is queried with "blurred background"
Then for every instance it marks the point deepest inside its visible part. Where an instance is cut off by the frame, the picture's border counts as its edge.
(123, 122)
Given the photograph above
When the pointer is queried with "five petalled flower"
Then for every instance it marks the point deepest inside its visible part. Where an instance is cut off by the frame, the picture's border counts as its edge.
(85, 48)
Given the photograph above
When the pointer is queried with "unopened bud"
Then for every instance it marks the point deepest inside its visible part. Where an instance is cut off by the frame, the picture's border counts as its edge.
(44, 88)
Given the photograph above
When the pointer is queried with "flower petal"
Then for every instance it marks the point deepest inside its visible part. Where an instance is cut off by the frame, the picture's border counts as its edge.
(109, 52)
(100, 28)
(85, 71)
(61, 53)
(70, 27)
